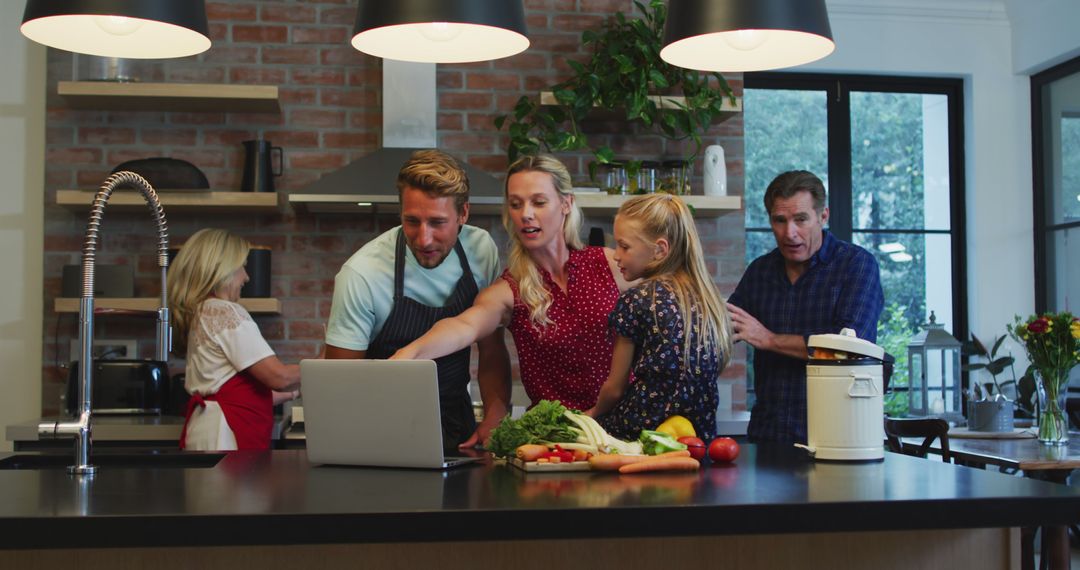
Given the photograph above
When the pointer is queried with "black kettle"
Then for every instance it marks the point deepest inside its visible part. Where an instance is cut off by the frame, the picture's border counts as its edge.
(259, 171)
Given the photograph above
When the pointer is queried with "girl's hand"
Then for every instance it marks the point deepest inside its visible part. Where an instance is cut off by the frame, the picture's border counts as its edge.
(591, 412)
(281, 397)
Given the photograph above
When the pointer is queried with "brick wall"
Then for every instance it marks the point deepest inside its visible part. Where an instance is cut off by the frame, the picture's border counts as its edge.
(331, 115)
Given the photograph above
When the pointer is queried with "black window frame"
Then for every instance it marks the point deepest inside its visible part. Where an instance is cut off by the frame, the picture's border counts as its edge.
(838, 88)
(1042, 229)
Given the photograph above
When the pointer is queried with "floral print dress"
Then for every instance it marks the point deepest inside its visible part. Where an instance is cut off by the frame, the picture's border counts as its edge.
(664, 385)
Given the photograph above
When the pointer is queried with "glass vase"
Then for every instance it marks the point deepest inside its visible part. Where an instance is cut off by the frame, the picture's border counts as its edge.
(1053, 425)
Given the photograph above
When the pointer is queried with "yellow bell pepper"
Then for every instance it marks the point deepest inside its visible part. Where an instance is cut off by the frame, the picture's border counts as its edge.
(676, 427)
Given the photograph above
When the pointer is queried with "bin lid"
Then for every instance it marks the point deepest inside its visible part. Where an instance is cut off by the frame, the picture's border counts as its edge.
(847, 342)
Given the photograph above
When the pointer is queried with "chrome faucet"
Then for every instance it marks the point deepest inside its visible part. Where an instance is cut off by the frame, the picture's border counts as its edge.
(80, 427)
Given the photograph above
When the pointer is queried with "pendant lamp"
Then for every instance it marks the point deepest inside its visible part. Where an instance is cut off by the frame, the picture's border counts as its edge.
(745, 35)
(440, 31)
(134, 29)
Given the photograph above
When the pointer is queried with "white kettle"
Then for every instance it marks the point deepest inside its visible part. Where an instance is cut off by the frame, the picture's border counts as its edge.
(845, 401)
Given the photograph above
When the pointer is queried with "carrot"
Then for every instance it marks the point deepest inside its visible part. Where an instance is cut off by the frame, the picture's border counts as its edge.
(679, 453)
(530, 451)
(663, 464)
(612, 462)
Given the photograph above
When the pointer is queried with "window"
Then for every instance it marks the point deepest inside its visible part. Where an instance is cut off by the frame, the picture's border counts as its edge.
(1055, 107)
(1056, 140)
(889, 150)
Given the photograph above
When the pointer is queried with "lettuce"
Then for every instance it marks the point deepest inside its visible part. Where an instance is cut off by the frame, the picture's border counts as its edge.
(543, 423)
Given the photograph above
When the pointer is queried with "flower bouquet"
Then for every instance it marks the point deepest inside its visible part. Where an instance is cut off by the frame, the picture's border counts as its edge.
(1052, 343)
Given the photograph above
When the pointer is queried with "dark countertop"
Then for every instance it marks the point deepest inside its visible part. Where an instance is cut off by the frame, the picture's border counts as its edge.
(277, 496)
(110, 428)
(130, 430)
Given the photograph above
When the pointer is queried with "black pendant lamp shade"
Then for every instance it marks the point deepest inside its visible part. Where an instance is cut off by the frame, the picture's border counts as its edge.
(745, 35)
(136, 29)
(440, 31)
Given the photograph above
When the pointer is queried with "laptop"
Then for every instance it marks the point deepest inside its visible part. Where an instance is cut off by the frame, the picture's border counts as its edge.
(379, 413)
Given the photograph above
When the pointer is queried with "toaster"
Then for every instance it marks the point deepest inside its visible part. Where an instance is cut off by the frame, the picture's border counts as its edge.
(129, 387)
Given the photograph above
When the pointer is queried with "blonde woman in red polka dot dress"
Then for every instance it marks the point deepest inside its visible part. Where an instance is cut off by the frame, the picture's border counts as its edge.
(555, 296)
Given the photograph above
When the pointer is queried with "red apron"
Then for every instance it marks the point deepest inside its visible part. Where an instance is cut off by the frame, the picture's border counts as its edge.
(248, 406)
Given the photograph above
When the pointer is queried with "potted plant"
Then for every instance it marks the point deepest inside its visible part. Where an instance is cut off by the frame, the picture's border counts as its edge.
(624, 73)
(989, 409)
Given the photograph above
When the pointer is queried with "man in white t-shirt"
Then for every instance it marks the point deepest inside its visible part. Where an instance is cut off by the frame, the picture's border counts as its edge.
(431, 267)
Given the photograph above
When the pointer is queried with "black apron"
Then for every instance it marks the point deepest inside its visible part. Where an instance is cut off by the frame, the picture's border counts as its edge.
(410, 319)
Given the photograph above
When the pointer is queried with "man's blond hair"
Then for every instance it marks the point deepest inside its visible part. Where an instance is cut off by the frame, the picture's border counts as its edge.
(437, 174)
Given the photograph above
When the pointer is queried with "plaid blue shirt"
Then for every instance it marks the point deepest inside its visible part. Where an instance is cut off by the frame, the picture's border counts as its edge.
(841, 288)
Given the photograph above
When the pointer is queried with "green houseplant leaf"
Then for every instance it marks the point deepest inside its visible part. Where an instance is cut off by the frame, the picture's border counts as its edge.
(623, 71)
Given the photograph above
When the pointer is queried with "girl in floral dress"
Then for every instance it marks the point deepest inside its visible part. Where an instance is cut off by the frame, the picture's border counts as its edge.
(671, 330)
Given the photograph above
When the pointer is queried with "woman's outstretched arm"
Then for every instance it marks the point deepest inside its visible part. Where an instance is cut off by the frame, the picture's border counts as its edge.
(492, 307)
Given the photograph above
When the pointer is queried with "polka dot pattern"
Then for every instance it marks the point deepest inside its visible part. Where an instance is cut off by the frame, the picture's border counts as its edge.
(569, 360)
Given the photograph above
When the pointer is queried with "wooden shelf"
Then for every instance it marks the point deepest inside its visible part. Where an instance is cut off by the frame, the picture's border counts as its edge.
(267, 305)
(174, 200)
(377, 204)
(599, 203)
(115, 96)
(664, 102)
(592, 203)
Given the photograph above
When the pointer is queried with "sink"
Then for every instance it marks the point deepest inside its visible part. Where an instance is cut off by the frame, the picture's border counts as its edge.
(172, 460)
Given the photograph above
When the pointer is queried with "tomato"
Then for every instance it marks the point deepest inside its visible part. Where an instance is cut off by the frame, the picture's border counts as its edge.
(694, 445)
(723, 450)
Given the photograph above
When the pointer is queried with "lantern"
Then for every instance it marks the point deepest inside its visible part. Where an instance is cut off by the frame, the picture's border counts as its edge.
(934, 373)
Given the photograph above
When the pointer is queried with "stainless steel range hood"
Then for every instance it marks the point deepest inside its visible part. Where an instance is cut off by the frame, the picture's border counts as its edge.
(368, 184)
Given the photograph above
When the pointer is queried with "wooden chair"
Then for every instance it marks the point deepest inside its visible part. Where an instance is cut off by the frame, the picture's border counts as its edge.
(927, 428)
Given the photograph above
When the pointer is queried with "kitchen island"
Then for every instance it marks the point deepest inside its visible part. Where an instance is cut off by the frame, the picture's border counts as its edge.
(131, 432)
(772, 508)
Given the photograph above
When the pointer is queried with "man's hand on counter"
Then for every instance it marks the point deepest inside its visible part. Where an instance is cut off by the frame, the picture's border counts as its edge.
(482, 434)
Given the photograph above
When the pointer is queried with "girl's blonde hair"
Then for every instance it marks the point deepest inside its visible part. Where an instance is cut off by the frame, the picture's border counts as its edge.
(682, 270)
(204, 263)
(530, 284)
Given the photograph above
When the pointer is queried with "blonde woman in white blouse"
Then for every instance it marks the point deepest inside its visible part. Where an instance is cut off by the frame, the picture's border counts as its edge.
(232, 374)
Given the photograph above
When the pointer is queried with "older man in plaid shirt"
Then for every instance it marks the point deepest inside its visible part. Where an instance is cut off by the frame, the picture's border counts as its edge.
(812, 283)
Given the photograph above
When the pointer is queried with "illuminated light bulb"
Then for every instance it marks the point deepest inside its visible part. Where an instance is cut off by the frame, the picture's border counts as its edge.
(118, 25)
(746, 40)
(440, 31)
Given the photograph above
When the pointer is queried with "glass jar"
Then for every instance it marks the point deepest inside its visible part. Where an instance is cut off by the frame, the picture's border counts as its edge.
(648, 176)
(613, 178)
(673, 177)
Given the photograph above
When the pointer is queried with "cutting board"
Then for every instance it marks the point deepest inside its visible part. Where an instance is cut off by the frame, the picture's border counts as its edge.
(534, 467)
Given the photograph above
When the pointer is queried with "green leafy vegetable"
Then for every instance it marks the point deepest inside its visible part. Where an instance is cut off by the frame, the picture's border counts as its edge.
(543, 423)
